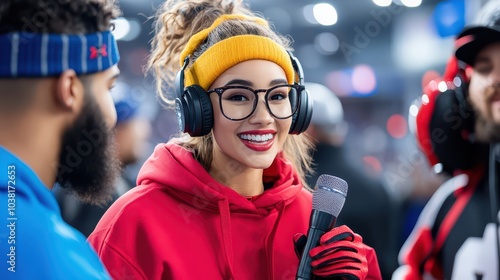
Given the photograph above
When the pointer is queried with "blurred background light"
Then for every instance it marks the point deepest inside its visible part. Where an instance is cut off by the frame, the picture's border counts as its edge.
(413, 110)
(363, 80)
(438, 168)
(425, 99)
(416, 45)
(442, 86)
(308, 12)
(382, 3)
(326, 43)
(449, 17)
(339, 82)
(412, 115)
(411, 3)
(373, 164)
(428, 77)
(325, 14)
(396, 126)
(122, 27)
(457, 81)
(126, 29)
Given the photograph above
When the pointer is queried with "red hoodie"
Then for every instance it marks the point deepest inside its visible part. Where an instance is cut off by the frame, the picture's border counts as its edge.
(179, 223)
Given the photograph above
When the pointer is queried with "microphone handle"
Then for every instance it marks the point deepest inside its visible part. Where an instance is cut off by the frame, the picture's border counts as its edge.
(320, 223)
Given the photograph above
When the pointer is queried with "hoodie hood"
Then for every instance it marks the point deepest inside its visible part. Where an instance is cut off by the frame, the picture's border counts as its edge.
(175, 168)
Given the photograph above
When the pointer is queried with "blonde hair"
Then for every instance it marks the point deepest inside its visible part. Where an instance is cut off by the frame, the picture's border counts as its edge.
(178, 20)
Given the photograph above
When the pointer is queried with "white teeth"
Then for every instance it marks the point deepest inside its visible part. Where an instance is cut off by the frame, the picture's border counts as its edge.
(257, 138)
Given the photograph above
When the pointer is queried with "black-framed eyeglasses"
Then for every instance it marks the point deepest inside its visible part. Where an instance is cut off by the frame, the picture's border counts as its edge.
(239, 102)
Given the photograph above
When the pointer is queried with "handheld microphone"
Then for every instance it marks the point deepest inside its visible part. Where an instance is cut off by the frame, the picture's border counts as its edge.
(328, 199)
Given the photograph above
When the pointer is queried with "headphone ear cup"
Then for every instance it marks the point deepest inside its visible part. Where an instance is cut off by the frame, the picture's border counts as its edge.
(198, 108)
(450, 127)
(302, 116)
(182, 113)
(178, 85)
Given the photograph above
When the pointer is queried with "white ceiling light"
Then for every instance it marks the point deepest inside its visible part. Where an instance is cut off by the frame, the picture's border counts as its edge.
(411, 3)
(382, 3)
(325, 14)
(122, 28)
(125, 29)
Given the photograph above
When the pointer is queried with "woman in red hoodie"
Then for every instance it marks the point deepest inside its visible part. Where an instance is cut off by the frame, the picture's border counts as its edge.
(227, 199)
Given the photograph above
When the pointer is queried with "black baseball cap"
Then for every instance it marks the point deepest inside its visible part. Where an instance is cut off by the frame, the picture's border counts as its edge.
(484, 31)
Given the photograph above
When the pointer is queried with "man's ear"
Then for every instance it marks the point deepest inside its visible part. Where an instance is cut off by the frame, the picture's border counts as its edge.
(468, 73)
(69, 90)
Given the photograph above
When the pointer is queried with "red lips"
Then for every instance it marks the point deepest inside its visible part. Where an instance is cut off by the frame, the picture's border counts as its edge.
(259, 146)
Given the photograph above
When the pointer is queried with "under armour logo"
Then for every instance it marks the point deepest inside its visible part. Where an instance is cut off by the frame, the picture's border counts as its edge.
(96, 52)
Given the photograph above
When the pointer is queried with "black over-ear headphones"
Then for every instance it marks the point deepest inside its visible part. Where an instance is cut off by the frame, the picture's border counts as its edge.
(302, 117)
(195, 114)
(192, 106)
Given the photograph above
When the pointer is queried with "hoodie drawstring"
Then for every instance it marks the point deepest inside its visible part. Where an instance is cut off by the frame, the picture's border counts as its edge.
(270, 240)
(225, 220)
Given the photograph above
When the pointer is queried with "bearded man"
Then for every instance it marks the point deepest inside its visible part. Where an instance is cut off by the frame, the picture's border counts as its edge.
(58, 62)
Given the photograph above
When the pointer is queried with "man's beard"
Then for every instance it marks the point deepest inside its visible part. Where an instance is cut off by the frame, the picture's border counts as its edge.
(486, 130)
(88, 165)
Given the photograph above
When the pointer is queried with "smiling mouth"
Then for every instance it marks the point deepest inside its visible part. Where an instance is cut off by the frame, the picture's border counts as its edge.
(262, 138)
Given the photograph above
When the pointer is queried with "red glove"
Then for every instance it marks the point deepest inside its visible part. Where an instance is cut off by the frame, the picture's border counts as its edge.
(341, 254)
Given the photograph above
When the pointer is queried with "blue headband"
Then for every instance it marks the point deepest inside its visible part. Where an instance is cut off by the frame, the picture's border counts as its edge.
(25, 54)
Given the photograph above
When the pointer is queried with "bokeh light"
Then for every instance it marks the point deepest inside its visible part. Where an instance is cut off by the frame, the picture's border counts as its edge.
(411, 3)
(373, 165)
(326, 43)
(122, 27)
(449, 17)
(363, 79)
(382, 3)
(325, 14)
(339, 83)
(397, 126)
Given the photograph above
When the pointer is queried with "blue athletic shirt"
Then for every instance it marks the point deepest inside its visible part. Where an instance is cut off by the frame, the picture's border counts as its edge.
(35, 242)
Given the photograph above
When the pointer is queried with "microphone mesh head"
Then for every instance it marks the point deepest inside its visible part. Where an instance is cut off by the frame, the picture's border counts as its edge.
(329, 194)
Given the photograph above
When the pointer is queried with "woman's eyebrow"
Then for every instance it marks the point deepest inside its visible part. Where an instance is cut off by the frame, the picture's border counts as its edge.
(249, 83)
(239, 82)
(278, 82)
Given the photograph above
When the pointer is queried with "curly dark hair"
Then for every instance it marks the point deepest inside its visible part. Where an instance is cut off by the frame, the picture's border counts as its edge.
(57, 16)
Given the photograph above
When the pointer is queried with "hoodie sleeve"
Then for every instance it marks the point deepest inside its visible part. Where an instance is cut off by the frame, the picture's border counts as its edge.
(117, 263)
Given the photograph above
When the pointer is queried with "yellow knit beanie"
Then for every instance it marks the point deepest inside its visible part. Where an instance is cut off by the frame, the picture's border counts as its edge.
(231, 51)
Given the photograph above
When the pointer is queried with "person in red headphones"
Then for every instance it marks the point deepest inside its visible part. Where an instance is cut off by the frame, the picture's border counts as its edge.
(458, 127)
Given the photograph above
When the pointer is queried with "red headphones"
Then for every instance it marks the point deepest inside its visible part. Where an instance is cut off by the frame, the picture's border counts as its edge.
(445, 121)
